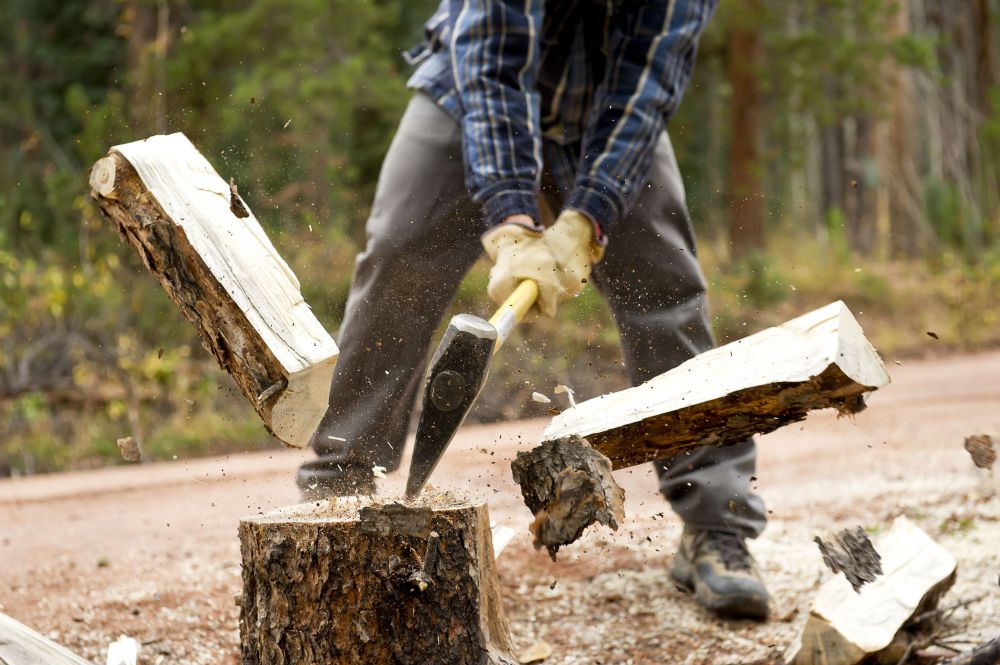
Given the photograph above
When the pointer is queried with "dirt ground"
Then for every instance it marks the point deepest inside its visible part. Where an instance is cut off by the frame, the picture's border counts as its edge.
(150, 550)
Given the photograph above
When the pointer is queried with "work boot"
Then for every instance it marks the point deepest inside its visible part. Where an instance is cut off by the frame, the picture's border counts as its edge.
(717, 566)
(323, 480)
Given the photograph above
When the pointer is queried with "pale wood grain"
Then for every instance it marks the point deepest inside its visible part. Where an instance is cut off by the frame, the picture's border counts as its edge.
(225, 274)
(753, 385)
(20, 645)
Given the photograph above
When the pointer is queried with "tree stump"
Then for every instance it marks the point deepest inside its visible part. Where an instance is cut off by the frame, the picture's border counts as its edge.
(361, 582)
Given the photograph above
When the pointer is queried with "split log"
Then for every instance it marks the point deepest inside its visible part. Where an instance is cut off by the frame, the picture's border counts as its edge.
(568, 486)
(845, 627)
(215, 262)
(20, 645)
(360, 582)
(751, 386)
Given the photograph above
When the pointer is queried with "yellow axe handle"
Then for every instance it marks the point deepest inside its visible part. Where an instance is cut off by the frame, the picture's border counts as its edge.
(513, 309)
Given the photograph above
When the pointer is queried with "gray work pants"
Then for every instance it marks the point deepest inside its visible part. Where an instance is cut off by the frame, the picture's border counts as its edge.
(423, 236)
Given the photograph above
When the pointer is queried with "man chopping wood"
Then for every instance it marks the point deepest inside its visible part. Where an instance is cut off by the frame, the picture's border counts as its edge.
(523, 106)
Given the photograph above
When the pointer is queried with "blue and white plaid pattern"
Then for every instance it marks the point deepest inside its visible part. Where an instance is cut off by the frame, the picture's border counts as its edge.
(592, 82)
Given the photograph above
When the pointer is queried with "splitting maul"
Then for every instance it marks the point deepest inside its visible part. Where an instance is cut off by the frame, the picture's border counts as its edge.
(458, 371)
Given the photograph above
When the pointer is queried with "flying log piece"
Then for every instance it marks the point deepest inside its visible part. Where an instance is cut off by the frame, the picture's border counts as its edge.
(751, 386)
(213, 259)
(363, 583)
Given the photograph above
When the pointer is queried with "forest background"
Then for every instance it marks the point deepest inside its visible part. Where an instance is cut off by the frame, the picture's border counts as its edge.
(831, 149)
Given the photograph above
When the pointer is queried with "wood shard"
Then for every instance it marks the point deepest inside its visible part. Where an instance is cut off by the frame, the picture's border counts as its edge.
(129, 448)
(983, 450)
(236, 205)
(227, 278)
(372, 584)
(568, 486)
(752, 386)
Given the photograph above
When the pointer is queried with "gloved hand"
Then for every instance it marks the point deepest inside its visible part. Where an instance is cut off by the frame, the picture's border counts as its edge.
(572, 243)
(520, 253)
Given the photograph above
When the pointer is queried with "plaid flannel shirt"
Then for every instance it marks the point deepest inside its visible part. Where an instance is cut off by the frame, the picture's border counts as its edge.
(589, 82)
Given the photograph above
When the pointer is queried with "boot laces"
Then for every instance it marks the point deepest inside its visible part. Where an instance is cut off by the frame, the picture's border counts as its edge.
(732, 549)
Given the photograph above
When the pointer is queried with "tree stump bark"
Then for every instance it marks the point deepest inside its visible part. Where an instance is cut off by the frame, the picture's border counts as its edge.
(360, 582)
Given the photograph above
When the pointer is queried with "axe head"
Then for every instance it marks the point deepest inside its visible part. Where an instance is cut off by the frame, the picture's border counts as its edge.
(457, 373)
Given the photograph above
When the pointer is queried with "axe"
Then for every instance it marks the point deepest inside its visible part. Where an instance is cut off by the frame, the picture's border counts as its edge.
(457, 373)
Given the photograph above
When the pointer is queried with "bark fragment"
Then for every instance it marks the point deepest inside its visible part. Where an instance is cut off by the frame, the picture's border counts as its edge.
(852, 552)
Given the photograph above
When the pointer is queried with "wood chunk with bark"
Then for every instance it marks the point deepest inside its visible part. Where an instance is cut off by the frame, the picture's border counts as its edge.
(752, 386)
(568, 486)
(224, 274)
(847, 627)
(370, 583)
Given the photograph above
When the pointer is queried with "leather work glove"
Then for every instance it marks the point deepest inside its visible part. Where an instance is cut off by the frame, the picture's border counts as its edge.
(575, 249)
(520, 253)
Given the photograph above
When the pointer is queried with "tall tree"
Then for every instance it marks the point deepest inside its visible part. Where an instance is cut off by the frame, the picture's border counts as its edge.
(746, 202)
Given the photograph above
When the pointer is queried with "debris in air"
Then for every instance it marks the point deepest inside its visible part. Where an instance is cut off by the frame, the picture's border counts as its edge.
(129, 449)
(378, 471)
(932, 334)
(536, 653)
(852, 553)
(235, 202)
(287, 122)
(123, 651)
(983, 450)
(540, 398)
(560, 389)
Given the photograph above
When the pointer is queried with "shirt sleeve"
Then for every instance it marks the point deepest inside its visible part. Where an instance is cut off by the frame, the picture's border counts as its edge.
(494, 48)
(651, 54)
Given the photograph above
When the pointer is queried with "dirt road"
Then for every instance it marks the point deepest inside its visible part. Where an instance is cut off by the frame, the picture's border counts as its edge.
(151, 551)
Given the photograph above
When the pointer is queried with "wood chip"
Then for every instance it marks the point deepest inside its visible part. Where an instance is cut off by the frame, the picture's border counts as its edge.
(235, 202)
(129, 449)
(540, 398)
(536, 653)
(983, 450)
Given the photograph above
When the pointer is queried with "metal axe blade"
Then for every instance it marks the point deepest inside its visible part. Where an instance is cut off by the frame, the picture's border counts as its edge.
(458, 371)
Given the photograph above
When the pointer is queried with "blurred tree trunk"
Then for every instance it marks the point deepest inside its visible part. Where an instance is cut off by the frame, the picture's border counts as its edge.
(746, 228)
(146, 25)
(904, 229)
(987, 79)
(859, 197)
